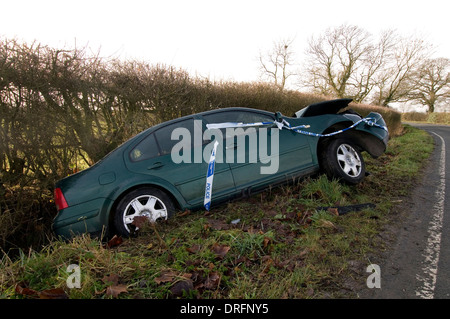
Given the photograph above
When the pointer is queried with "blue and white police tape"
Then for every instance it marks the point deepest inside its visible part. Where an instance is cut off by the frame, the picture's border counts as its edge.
(236, 124)
(286, 125)
(368, 120)
(210, 177)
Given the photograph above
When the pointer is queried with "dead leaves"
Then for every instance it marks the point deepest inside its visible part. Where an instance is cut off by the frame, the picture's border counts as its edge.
(181, 284)
(217, 224)
(194, 249)
(220, 250)
(166, 276)
(212, 281)
(140, 222)
(113, 242)
(56, 293)
(204, 276)
(114, 289)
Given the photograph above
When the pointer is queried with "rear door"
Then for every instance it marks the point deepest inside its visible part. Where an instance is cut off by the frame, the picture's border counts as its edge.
(174, 153)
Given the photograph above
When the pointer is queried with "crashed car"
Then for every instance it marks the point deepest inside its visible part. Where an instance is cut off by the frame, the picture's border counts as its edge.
(164, 169)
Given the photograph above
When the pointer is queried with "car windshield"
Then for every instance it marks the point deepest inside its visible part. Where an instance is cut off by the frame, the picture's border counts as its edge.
(299, 114)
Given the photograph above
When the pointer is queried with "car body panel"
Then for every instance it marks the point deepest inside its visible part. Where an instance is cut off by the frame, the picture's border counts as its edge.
(188, 179)
(93, 193)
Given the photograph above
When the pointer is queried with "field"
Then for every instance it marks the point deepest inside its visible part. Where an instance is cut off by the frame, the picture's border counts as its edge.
(293, 241)
(434, 118)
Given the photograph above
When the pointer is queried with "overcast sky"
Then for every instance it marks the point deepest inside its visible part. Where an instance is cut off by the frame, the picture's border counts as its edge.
(216, 39)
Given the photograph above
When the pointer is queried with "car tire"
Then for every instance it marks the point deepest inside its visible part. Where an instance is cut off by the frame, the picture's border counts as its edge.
(342, 160)
(149, 202)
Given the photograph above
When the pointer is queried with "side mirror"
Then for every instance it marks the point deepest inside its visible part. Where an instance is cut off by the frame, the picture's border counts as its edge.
(278, 116)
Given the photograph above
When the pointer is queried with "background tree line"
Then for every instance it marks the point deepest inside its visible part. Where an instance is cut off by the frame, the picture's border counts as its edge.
(347, 61)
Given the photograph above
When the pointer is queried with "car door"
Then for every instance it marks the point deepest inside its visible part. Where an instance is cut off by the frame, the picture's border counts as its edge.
(294, 151)
(280, 154)
(247, 150)
(173, 153)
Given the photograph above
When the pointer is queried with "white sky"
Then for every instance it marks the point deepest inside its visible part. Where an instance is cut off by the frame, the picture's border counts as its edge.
(216, 39)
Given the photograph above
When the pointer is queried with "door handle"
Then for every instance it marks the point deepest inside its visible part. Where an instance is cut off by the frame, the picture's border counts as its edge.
(156, 165)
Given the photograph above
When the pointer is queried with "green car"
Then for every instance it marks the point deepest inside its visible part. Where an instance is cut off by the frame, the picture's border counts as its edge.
(211, 157)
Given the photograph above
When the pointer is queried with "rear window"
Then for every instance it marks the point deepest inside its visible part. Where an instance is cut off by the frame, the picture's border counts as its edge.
(146, 149)
(164, 135)
(161, 143)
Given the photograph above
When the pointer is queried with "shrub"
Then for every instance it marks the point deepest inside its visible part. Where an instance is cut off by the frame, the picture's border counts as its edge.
(435, 118)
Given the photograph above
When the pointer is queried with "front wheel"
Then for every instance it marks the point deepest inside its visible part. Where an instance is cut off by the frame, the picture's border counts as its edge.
(341, 159)
(148, 202)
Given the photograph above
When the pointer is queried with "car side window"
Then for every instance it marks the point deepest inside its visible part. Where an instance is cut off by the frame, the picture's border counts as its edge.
(164, 135)
(145, 149)
(238, 117)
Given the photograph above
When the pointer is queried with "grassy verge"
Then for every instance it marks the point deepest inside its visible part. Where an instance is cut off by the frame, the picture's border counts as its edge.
(276, 244)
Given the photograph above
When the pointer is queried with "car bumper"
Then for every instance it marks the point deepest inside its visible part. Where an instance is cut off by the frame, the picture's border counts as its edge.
(80, 219)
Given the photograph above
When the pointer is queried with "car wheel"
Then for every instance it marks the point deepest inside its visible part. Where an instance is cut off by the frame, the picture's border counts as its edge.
(341, 159)
(148, 202)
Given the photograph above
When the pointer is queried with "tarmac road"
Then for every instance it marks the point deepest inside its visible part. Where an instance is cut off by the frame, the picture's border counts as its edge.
(418, 264)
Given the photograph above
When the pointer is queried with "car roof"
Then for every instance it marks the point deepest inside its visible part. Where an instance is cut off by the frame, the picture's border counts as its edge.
(159, 125)
(153, 128)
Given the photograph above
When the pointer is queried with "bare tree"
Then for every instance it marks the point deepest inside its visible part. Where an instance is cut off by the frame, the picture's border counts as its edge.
(393, 82)
(276, 64)
(431, 83)
(337, 62)
(347, 62)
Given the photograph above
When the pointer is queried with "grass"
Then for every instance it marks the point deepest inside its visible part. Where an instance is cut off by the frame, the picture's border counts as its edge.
(276, 244)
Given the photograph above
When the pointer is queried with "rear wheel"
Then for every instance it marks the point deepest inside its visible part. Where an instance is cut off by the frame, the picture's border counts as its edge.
(148, 202)
(341, 159)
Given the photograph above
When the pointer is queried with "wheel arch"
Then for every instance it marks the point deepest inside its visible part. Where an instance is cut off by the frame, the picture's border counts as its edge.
(363, 140)
(112, 211)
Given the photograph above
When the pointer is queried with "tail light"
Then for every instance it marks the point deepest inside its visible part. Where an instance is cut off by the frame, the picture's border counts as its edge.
(60, 201)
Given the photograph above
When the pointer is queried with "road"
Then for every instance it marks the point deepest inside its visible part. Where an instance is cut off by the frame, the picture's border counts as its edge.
(418, 264)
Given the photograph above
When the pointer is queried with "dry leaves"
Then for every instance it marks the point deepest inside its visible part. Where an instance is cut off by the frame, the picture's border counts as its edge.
(212, 281)
(166, 276)
(183, 283)
(333, 211)
(113, 242)
(220, 250)
(194, 249)
(185, 213)
(56, 293)
(114, 289)
(140, 221)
